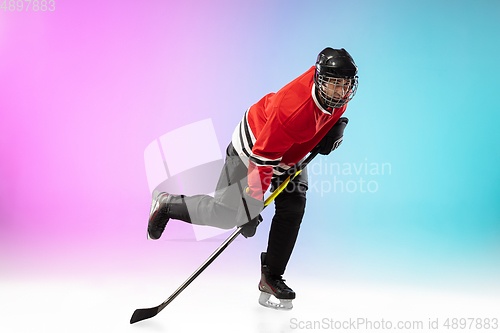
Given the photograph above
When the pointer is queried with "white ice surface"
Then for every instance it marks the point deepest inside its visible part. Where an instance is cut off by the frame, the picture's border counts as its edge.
(213, 304)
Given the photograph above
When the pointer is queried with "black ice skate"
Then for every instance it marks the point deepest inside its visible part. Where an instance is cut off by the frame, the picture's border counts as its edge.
(274, 285)
(165, 206)
(158, 215)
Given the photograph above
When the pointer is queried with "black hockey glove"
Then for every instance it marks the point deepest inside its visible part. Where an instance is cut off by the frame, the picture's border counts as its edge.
(333, 138)
(248, 230)
(248, 214)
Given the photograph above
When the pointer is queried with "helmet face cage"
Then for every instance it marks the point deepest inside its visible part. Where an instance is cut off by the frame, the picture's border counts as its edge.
(336, 91)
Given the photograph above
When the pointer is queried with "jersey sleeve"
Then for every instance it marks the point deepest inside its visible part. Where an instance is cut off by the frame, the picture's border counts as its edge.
(273, 141)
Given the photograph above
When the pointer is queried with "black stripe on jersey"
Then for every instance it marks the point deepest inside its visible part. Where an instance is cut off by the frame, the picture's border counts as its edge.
(242, 143)
(247, 131)
(259, 162)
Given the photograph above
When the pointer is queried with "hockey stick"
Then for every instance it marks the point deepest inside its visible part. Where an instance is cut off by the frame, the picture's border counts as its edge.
(141, 314)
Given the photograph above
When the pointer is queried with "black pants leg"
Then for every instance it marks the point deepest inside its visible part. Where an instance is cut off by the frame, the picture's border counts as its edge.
(290, 206)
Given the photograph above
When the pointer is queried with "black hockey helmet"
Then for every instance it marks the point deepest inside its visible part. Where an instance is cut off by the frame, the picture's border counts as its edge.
(335, 68)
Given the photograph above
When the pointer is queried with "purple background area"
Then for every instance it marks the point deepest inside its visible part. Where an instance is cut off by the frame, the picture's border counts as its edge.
(85, 89)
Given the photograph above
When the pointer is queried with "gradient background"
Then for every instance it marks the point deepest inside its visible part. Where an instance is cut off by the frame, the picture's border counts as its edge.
(84, 90)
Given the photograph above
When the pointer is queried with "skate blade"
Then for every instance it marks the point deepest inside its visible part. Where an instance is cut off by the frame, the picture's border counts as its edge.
(284, 304)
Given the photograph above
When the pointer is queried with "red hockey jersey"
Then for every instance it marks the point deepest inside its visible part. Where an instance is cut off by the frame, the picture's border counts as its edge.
(281, 129)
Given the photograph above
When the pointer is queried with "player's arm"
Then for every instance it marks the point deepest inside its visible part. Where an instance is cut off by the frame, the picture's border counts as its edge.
(273, 141)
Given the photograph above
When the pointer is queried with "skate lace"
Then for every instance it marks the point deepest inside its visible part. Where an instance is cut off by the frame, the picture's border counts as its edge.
(280, 282)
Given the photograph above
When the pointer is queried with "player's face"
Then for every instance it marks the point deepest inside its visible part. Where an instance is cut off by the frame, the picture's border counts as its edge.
(337, 88)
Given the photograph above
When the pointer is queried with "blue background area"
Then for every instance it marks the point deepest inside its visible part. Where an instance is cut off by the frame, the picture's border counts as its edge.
(106, 79)
(426, 104)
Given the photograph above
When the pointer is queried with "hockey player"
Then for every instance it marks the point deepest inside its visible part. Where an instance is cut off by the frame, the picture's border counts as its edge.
(274, 134)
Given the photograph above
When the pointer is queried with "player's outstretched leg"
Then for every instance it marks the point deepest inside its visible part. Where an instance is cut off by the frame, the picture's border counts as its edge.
(274, 285)
(163, 207)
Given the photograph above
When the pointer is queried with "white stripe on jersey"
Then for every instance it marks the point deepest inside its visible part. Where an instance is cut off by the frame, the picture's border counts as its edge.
(280, 169)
